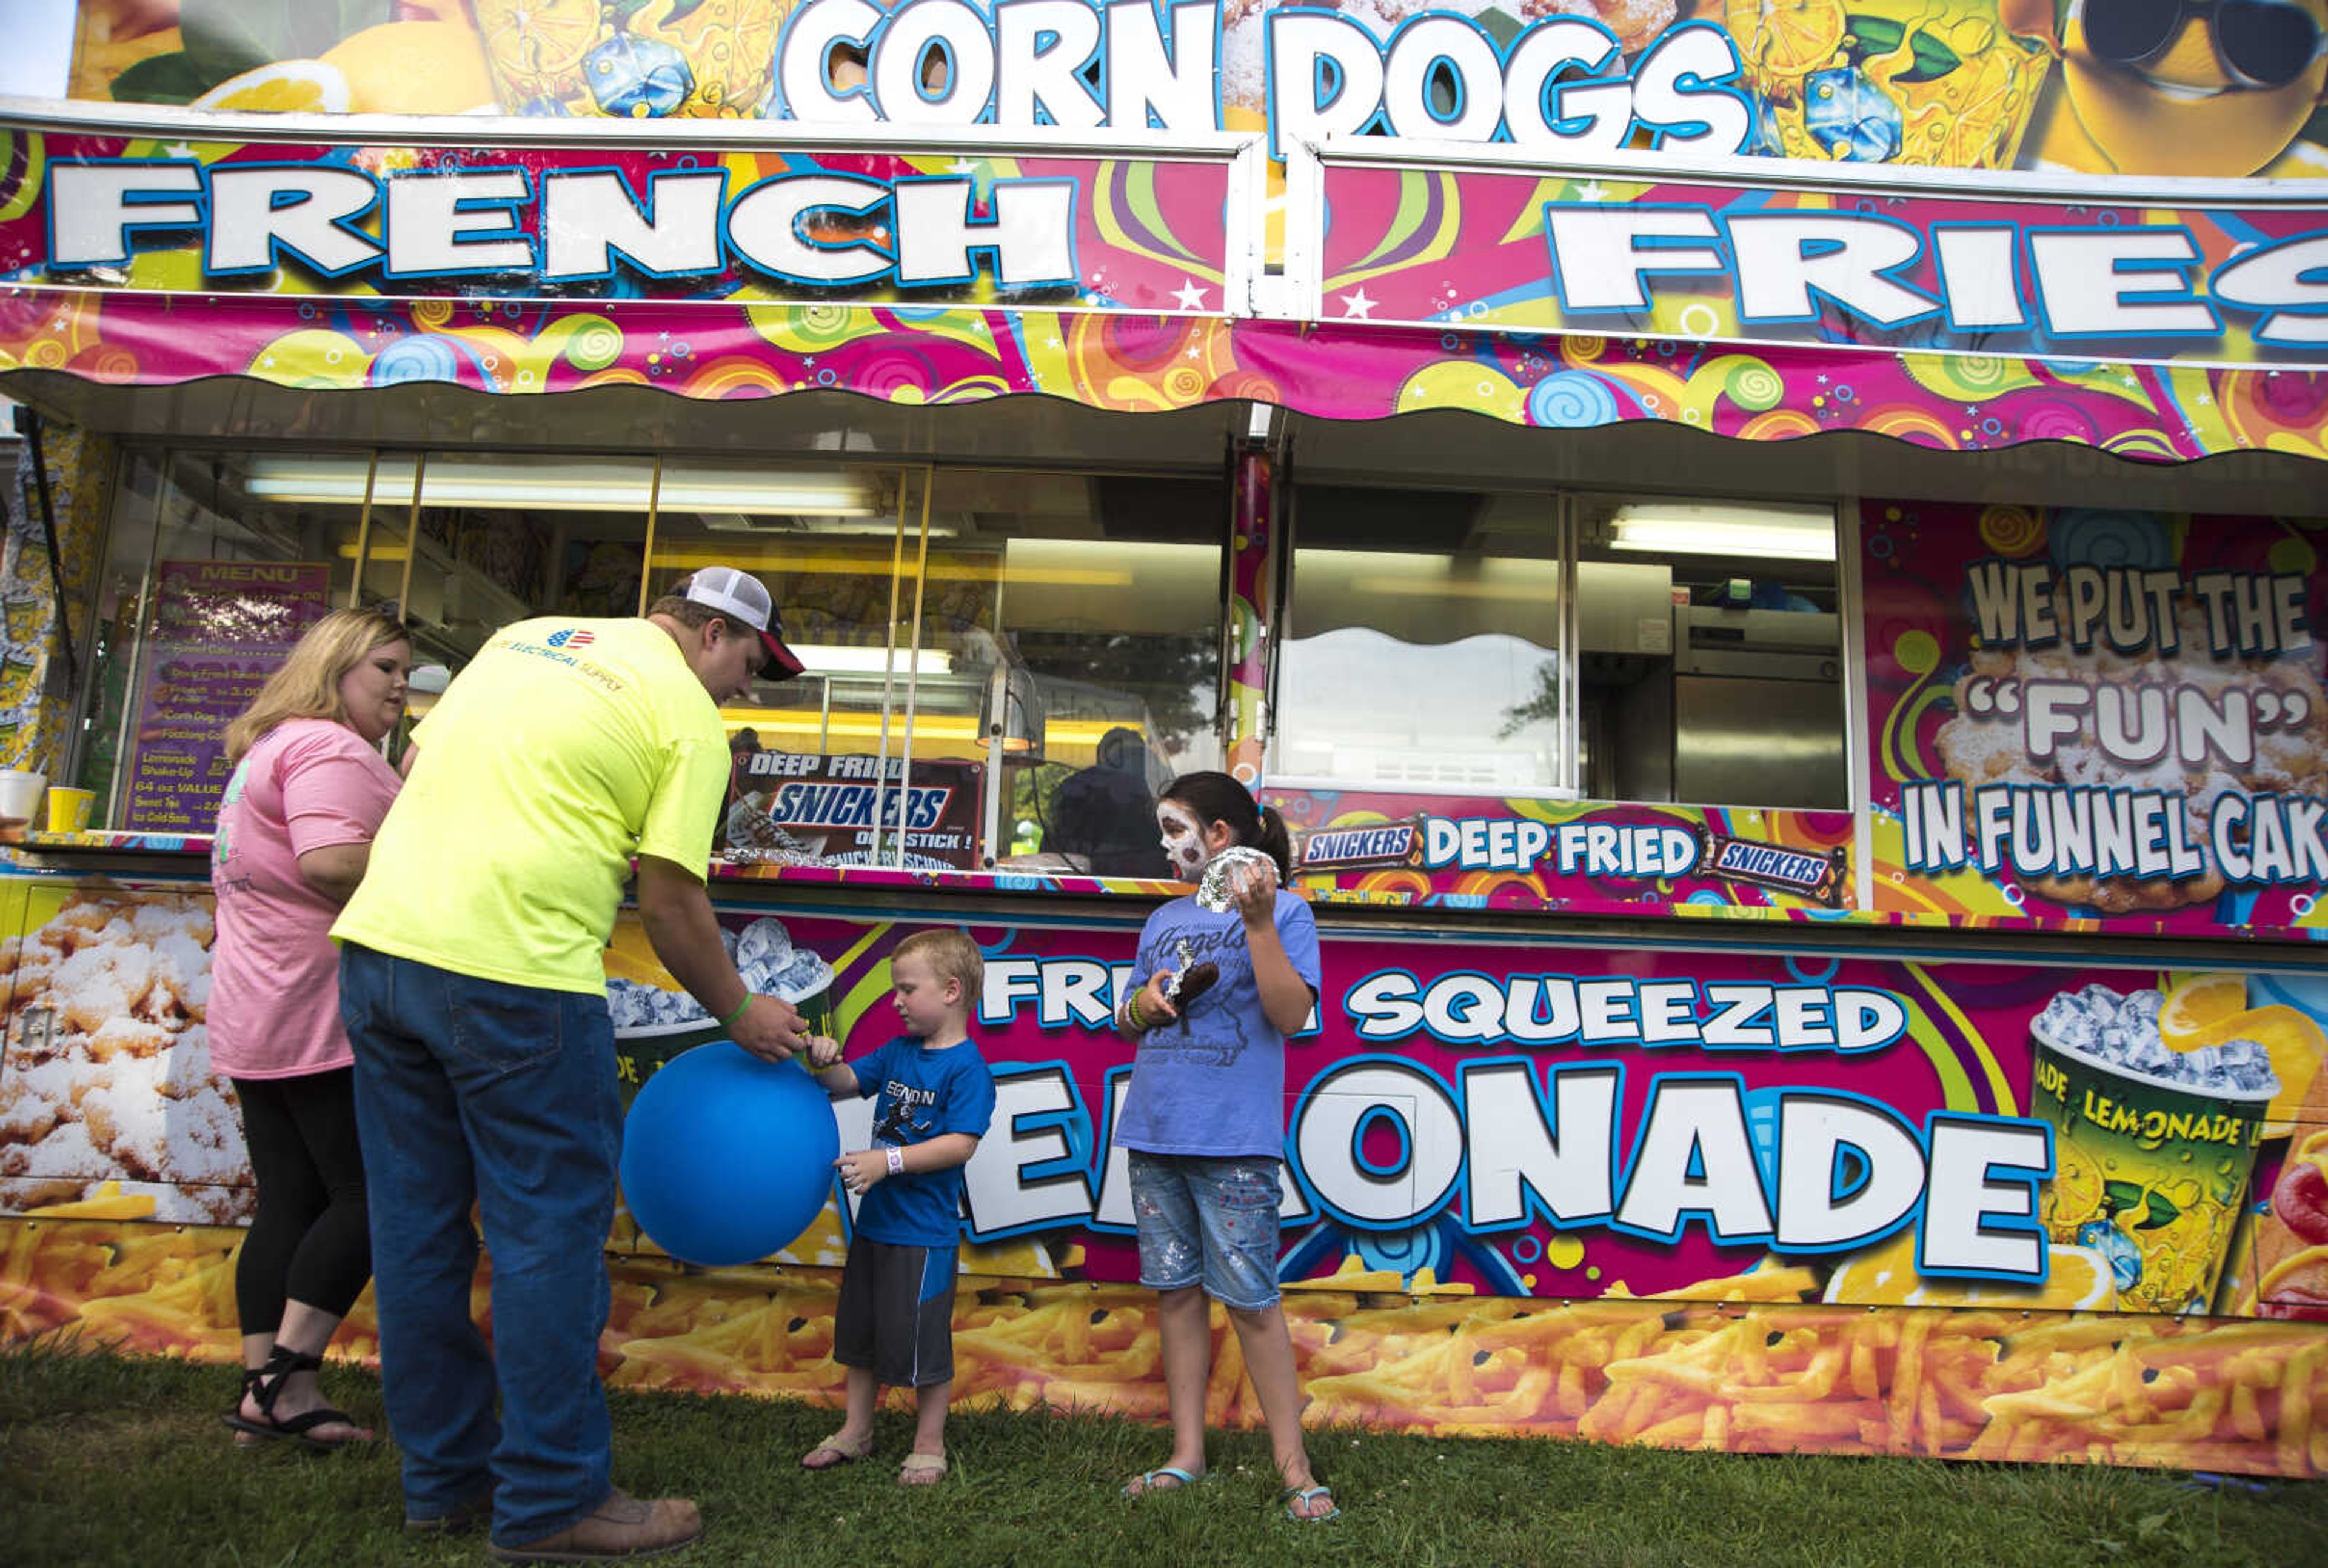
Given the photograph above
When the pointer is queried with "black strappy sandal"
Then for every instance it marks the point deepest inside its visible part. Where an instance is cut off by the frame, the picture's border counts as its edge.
(264, 1386)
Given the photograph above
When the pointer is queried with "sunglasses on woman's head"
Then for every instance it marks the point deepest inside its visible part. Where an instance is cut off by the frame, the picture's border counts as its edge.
(2260, 43)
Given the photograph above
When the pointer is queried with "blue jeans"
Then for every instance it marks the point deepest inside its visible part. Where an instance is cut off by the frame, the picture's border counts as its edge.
(1209, 1222)
(472, 1091)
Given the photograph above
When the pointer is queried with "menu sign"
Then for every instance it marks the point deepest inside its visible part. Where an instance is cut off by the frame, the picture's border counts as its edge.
(220, 628)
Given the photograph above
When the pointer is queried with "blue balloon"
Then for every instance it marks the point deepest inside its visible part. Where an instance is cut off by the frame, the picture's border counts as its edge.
(726, 1158)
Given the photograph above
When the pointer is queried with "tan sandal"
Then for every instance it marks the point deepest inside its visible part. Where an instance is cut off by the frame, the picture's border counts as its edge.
(842, 1452)
(922, 1470)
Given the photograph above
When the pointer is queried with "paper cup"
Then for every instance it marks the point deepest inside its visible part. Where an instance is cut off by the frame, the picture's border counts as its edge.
(639, 1052)
(19, 801)
(2149, 1173)
(69, 809)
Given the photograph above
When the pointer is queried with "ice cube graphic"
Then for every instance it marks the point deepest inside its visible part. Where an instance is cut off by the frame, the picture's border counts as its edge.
(2066, 1022)
(634, 1005)
(1851, 117)
(2123, 1032)
(2248, 1067)
(765, 944)
(2116, 1248)
(627, 1006)
(638, 78)
(2100, 1002)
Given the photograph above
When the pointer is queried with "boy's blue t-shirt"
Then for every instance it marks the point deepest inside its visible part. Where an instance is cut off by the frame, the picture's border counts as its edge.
(919, 1095)
(1212, 1081)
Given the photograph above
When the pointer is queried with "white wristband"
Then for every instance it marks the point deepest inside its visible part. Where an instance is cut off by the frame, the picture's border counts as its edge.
(897, 1160)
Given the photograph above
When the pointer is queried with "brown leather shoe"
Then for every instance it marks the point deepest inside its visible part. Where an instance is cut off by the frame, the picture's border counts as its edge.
(621, 1525)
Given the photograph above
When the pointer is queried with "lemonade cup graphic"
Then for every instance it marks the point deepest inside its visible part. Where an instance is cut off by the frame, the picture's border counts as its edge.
(2150, 1169)
(642, 1050)
(1942, 83)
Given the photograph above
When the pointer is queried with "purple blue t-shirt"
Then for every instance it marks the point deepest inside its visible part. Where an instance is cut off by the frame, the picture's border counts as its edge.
(1212, 1081)
(918, 1095)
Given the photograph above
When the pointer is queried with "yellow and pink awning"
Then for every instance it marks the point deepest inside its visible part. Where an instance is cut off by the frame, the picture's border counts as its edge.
(1129, 275)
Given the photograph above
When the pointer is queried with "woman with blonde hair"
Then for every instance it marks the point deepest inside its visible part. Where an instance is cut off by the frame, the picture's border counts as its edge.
(294, 832)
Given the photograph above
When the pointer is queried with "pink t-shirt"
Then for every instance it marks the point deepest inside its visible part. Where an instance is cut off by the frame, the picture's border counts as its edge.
(309, 784)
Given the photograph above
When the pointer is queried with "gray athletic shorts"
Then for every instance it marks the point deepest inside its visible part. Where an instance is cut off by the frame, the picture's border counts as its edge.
(896, 1313)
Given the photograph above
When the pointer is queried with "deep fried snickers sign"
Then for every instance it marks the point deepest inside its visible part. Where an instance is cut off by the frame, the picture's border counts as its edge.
(1629, 852)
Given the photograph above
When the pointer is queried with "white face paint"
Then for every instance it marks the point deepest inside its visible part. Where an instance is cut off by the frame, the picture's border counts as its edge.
(1183, 839)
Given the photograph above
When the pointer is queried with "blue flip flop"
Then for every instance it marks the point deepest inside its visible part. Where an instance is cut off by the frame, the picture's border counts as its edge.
(1293, 1494)
(1149, 1479)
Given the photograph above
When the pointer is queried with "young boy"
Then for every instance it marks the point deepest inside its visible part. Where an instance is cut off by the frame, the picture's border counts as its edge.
(932, 1098)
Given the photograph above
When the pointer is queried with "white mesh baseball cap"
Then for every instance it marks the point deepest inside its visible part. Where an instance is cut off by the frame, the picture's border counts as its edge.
(742, 597)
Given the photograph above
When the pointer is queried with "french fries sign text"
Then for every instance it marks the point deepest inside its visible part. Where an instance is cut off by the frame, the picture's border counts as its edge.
(491, 222)
(1386, 1143)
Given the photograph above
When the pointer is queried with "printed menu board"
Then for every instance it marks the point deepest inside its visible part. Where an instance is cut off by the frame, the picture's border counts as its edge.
(219, 629)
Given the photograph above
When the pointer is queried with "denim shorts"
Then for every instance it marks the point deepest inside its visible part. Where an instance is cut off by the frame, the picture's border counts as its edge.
(1209, 1222)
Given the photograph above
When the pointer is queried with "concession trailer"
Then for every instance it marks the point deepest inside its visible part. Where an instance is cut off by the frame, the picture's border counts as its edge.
(1771, 556)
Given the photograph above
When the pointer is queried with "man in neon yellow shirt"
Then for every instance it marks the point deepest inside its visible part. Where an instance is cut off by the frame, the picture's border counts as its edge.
(474, 988)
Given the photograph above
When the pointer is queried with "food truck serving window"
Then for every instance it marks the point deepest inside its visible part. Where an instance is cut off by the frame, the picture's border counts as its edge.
(1422, 647)
(1710, 658)
(209, 579)
(1425, 638)
(1023, 657)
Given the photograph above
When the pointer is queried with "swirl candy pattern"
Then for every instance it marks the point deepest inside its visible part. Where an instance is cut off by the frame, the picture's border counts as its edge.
(956, 355)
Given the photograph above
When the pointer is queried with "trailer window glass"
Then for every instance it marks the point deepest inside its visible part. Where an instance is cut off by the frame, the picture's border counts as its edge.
(208, 577)
(1083, 617)
(1030, 655)
(1421, 651)
(1002, 666)
(1734, 695)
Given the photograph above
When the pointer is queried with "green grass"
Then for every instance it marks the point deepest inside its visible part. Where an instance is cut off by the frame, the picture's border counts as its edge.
(108, 1459)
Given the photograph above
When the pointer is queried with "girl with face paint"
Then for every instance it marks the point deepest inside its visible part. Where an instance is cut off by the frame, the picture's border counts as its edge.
(1203, 1120)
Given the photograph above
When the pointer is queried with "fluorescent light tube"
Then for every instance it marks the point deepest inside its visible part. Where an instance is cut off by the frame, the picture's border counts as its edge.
(1776, 534)
(849, 658)
(579, 486)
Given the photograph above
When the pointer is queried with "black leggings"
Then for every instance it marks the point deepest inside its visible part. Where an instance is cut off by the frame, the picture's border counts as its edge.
(312, 1239)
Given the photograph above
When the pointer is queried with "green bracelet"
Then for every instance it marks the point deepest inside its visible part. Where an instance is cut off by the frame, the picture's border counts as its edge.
(1132, 1010)
(741, 1008)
